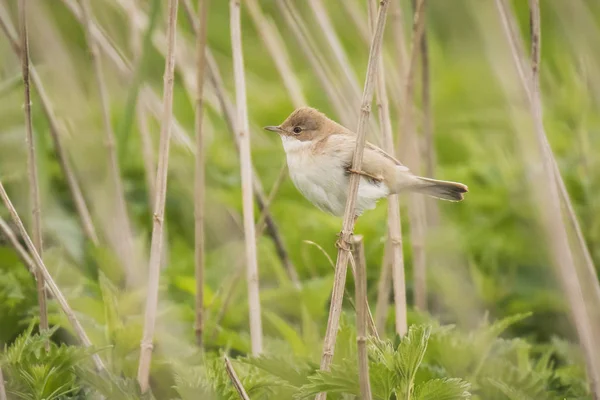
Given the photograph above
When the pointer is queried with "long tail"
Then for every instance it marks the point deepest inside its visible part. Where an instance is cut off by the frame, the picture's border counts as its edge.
(445, 190)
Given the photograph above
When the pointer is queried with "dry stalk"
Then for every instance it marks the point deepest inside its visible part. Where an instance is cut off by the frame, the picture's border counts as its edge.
(345, 242)
(338, 50)
(429, 146)
(316, 61)
(551, 208)
(14, 241)
(120, 205)
(272, 39)
(2, 389)
(394, 222)
(361, 320)
(358, 257)
(260, 224)
(199, 178)
(159, 209)
(416, 209)
(39, 264)
(228, 112)
(34, 190)
(78, 199)
(147, 151)
(246, 172)
(383, 289)
(235, 380)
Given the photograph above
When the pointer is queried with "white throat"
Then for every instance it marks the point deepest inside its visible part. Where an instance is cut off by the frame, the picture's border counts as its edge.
(291, 144)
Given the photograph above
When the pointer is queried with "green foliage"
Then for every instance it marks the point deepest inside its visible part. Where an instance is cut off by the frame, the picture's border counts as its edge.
(33, 372)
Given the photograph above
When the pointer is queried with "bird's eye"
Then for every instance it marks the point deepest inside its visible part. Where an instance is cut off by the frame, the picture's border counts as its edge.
(297, 130)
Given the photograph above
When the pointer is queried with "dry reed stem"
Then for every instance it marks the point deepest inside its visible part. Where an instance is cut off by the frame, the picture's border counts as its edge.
(228, 112)
(345, 242)
(246, 172)
(315, 59)
(37, 260)
(361, 319)
(353, 88)
(394, 222)
(551, 209)
(120, 205)
(428, 141)
(272, 39)
(32, 174)
(14, 241)
(358, 257)
(2, 389)
(159, 209)
(260, 224)
(237, 384)
(416, 209)
(384, 285)
(199, 178)
(147, 151)
(73, 185)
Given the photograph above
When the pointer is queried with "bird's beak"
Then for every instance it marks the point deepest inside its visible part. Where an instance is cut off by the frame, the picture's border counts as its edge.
(273, 129)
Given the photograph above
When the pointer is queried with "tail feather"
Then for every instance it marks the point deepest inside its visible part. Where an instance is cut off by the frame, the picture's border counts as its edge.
(444, 190)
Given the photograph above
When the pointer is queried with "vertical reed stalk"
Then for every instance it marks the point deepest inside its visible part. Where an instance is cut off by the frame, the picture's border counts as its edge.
(237, 384)
(416, 209)
(34, 190)
(383, 289)
(358, 257)
(40, 266)
(272, 39)
(361, 319)
(2, 389)
(73, 185)
(394, 224)
(344, 243)
(199, 179)
(315, 59)
(120, 205)
(551, 209)
(215, 79)
(159, 204)
(246, 172)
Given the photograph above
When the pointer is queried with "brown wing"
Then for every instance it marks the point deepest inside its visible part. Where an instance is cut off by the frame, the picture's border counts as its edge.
(371, 146)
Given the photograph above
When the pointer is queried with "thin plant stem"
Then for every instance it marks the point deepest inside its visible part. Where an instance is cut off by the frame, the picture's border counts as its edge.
(315, 59)
(416, 209)
(237, 384)
(260, 225)
(120, 206)
(394, 221)
(2, 389)
(337, 49)
(551, 209)
(199, 178)
(56, 293)
(34, 189)
(361, 319)
(74, 188)
(246, 172)
(383, 289)
(159, 208)
(147, 151)
(344, 243)
(272, 39)
(228, 112)
(429, 146)
(358, 257)
(14, 241)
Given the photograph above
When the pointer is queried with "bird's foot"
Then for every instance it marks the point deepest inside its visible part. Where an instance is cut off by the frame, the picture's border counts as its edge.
(363, 173)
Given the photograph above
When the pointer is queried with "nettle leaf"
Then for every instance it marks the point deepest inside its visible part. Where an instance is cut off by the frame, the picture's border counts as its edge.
(442, 389)
(409, 356)
(340, 379)
(294, 371)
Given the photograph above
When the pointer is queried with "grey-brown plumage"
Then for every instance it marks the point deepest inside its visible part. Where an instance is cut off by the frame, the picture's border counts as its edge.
(319, 155)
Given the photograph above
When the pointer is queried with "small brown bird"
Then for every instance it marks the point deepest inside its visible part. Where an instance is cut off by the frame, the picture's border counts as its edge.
(319, 155)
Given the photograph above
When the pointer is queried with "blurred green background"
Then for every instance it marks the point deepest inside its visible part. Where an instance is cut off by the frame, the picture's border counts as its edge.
(487, 257)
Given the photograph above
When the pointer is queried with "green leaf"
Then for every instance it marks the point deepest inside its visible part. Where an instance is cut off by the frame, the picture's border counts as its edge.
(443, 389)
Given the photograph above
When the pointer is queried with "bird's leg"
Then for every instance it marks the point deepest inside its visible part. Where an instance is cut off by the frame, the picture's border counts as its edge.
(363, 173)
